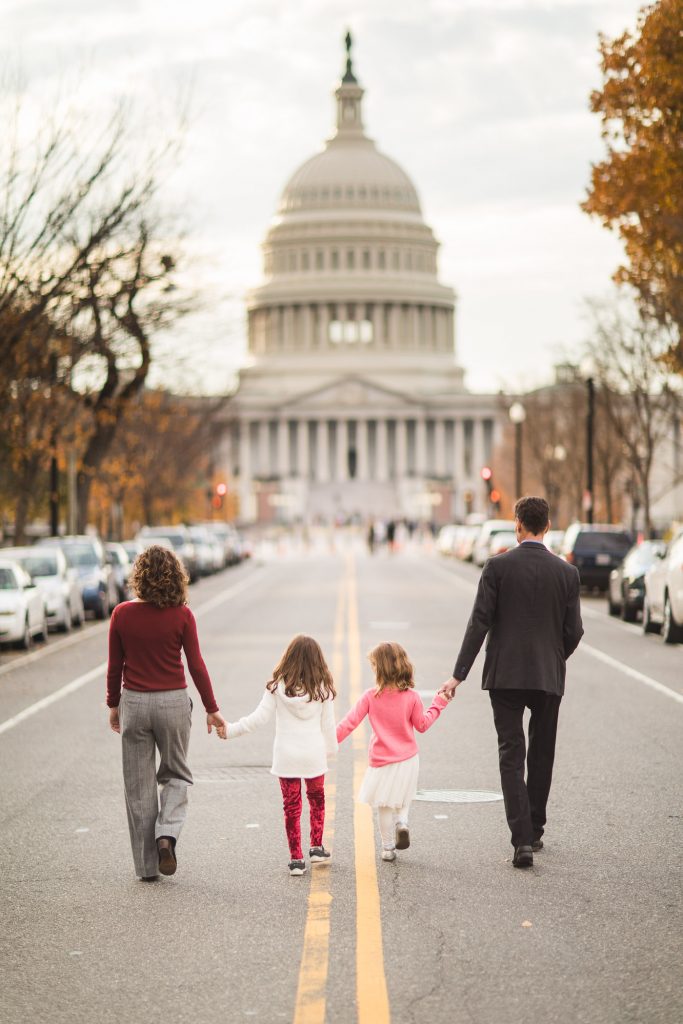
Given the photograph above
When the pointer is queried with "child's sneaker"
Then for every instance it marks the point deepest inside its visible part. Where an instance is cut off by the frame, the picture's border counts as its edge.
(402, 836)
(388, 854)
(297, 867)
(319, 855)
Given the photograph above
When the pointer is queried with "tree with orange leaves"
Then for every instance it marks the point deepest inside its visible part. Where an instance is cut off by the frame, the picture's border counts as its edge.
(638, 189)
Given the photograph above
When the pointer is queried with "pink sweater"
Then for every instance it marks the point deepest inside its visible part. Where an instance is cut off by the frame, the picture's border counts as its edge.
(394, 715)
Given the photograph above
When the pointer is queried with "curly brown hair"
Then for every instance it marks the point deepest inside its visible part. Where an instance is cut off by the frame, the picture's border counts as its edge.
(392, 667)
(303, 670)
(158, 577)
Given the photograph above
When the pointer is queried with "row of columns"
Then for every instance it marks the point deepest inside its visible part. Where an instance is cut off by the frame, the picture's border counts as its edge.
(307, 326)
(462, 467)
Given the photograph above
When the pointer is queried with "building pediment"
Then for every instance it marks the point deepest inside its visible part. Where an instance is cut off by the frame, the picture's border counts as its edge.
(352, 394)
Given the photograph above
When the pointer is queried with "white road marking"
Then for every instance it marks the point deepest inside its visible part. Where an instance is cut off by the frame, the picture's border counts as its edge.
(82, 829)
(54, 645)
(441, 817)
(252, 824)
(100, 669)
(40, 705)
(633, 673)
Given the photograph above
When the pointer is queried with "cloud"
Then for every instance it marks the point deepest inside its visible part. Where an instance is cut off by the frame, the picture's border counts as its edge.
(484, 102)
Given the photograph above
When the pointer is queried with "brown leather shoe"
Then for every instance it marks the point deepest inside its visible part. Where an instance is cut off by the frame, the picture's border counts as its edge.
(167, 861)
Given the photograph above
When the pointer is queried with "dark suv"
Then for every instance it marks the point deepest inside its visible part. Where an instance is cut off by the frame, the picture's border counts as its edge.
(595, 550)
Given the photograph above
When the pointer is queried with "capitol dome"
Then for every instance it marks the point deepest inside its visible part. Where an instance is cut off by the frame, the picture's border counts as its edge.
(349, 174)
(352, 401)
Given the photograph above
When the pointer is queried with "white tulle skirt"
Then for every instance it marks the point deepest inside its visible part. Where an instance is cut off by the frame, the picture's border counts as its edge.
(392, 785)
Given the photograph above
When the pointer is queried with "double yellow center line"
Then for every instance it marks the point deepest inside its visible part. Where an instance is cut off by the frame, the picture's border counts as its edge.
(372, 1001)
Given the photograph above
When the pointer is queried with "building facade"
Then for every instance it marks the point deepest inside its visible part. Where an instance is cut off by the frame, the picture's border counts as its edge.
(353, 402)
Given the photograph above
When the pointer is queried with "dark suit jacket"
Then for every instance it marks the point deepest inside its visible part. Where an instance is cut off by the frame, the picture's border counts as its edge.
(528, 603)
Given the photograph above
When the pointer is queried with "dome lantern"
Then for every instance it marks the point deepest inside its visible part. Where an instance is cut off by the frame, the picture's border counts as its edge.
(349, 96)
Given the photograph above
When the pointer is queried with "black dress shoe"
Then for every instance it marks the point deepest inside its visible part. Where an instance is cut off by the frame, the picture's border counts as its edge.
(537, 845)
(167, 861)
(523, 858)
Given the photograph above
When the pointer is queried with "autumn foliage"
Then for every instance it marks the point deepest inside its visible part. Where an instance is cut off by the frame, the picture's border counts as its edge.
(637, 190)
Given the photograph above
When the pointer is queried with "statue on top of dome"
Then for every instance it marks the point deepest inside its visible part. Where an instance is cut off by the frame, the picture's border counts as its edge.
(349, 75)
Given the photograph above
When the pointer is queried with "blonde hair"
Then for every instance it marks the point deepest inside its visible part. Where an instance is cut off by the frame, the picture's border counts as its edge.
(392, 667)
(303, 670)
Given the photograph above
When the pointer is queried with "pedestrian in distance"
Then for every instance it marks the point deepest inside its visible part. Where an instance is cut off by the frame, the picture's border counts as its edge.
(528, 604)
(150, 707)
(300, 697)
(395, 712)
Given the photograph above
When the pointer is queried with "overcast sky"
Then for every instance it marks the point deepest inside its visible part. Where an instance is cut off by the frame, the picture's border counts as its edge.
(483, 102)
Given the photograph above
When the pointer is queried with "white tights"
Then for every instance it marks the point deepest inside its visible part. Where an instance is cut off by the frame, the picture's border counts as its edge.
(388, 819)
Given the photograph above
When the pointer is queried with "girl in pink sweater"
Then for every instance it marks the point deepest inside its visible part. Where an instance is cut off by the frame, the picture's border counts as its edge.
(395, 711)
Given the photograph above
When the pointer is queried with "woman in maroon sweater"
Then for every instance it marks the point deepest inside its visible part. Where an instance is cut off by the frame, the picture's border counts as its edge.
(152, 710)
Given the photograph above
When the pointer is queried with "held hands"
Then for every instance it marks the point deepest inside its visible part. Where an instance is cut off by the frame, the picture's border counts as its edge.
(448, 689)
(217, 721)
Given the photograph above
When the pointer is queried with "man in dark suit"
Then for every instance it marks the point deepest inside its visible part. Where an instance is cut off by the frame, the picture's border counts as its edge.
(528, 603)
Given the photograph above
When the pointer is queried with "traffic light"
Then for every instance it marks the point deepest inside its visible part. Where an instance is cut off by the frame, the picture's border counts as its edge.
(217, 499)
(492, 492)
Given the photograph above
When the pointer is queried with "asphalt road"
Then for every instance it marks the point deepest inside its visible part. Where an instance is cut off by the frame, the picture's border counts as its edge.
(449, 934)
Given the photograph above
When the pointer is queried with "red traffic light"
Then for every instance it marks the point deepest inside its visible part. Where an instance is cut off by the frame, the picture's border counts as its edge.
(486, 473)
(221, 489)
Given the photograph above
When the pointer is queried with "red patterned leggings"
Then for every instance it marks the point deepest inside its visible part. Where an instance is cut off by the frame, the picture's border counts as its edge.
(291, 798)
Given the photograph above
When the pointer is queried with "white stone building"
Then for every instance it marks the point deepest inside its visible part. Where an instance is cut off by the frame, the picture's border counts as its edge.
(353, 401)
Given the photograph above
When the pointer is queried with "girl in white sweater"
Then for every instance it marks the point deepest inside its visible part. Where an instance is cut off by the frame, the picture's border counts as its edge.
(300, 695)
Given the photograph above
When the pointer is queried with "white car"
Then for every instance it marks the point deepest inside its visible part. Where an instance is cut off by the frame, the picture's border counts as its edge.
(47, 567)
(502, 541)
(22, 610)
(663, 602)
(488, 530)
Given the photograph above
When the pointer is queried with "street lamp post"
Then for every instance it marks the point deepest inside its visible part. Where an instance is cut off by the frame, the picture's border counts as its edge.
(517, 414)
(590, 385)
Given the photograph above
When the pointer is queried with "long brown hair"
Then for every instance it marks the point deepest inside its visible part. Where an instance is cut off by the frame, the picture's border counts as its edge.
(159, 578)
(392, 667)
(303, 670)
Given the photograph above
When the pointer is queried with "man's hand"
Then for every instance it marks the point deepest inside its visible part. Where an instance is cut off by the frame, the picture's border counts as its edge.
(114, 720)
(448, 689)
(218, 722)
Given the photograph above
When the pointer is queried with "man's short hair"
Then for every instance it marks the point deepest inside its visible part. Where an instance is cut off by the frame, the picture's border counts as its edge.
(533, 514)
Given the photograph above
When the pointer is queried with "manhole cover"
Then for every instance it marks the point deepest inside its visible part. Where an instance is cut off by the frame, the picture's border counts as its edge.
(230, 773)
(457, 796)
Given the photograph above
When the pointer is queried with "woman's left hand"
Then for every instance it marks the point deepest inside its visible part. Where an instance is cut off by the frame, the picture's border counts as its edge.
(114, 720)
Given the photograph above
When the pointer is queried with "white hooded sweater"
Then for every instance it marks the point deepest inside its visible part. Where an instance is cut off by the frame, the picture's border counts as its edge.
(305, 733)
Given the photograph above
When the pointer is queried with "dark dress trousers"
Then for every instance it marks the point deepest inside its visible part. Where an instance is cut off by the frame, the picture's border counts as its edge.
(528, 604)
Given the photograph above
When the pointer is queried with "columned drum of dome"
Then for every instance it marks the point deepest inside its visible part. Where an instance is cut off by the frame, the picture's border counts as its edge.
(353, 402)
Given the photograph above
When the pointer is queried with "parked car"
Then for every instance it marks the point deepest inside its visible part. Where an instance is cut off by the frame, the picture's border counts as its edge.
(502, 541)
(595, 549)
(22, 607)
(47, 567)
(233, 544)
(117, 556)
(209, 550)
(553, 540)
(489, 529)
(87, 556)
(663, 603)
(132, 549)
(626, 589)
(447, 539)
(466, 540)
(178, 537)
